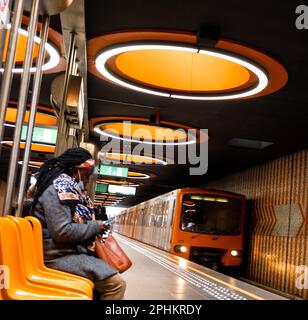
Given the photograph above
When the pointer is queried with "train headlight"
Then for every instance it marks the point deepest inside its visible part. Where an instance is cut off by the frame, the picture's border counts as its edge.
(181, 249)
(235, 253)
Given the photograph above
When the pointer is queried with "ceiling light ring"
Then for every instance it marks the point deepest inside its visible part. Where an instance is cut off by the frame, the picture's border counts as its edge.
(7, 141)
(251, 83)
(143, 175)
(98, 130)
(121, 182)
(93, 122)
(190, 140)
(172, 94)
(278, 75)
(97, 122)
(47, 115)
(31, 164)
(103, 56)
(157, 161)
(46, 144)
(53, 52)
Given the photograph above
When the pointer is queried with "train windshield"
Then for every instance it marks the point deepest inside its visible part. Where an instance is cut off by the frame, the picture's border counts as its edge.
(211, 214)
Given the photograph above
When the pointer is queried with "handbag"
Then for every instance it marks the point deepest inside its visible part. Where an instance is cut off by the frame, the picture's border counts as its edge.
(108, 250)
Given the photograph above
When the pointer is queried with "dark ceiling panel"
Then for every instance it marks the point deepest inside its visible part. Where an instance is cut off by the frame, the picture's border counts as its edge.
(281, 117)
(266, 25)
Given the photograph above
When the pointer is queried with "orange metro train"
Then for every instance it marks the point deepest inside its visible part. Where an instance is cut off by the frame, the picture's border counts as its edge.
(202, 225)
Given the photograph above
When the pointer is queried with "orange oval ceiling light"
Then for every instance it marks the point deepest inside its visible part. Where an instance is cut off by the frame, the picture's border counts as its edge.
(32, 164)
(120, 182)
(139, 130)
(54, 61)
(117, 157)
(41, 118)
(180, 70)
(36, 147)
(171, 65)
(138, 175)
(209, 73)
(145, 133)
(20, 49)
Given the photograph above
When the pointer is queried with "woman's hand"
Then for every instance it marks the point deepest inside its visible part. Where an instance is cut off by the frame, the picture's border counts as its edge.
(102, 225)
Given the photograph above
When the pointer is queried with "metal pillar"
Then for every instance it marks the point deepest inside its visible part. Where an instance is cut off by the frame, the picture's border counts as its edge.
(23, 94)
(68, 72)
(9, 64)
(35, 97)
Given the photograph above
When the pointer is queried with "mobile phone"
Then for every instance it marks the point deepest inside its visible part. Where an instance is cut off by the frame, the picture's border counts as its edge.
(108, 221)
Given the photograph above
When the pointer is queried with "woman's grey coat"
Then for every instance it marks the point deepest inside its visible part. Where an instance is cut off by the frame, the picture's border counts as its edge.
(65, 241)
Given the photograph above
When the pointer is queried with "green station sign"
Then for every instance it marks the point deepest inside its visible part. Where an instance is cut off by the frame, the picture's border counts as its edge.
(41, 135)
(101, 188)
(113, 171)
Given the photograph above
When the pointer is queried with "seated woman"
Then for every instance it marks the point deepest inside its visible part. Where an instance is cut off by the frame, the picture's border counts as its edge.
(67, 219)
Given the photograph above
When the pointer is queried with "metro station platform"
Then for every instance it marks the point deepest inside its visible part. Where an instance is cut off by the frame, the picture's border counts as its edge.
(159, 275)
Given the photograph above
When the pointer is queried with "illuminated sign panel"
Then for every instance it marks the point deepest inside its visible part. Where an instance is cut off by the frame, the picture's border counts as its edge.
(101, 188)
(130, 191)
(113, 171)
(41, 135)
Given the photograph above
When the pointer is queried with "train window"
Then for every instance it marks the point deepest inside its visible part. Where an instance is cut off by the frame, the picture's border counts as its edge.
(159, 221)
(139, 217)
(172, 212)
(211, 214)
(152, 220)
(145, 217)
(164, 221)
(131, 219)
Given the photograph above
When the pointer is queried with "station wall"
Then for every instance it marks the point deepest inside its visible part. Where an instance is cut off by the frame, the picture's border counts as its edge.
(278, 191)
